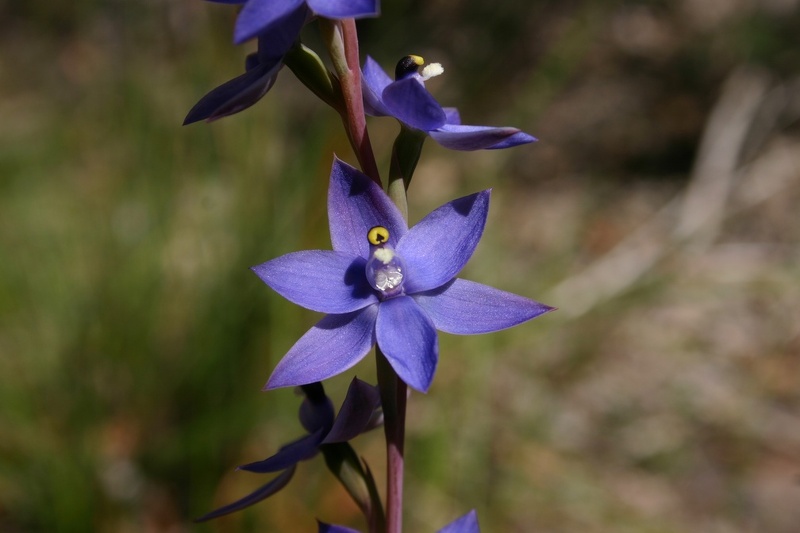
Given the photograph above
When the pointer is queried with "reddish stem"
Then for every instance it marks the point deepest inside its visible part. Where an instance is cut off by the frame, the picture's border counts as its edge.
(393, 398)
(354, 118)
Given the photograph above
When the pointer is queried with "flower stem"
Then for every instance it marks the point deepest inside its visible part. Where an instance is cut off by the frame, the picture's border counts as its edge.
(357, 479)
(405, 156)
(342, 41)
(394, 391)
(307, 66)
(393, 398)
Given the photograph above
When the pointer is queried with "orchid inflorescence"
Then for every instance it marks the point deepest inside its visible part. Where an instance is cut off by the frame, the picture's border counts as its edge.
(383, 284)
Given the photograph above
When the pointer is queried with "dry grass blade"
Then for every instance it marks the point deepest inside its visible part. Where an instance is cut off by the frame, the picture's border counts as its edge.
(693, 219)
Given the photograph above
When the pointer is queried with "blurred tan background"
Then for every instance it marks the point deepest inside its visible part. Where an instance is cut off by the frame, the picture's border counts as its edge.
(658, 211)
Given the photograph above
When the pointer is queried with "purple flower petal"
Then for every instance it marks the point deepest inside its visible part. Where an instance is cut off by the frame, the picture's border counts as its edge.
(515, 140)
(341, 9)
(332, 346)
(320, 280)
(333, 528)
(453, 116)
(316, 411)
(258, 16)
(457, 137)
(466, 308)
(254, 497)
(438, 247)
(262, 70)
(355, 205)
(411, 103)
(408, 101)
(373, 81)
(276, 42)
(357, 409)
(466, 524)
(408, 339)
(235, 95)
(289, 455)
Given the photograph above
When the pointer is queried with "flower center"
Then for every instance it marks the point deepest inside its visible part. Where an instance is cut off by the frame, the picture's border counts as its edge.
(409, 66)
(385, 269)
(431, 70)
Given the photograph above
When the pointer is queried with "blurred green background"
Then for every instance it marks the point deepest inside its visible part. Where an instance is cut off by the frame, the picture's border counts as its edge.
(658, 212)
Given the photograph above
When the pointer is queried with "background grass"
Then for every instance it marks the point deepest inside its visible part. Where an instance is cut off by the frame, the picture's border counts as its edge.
(134, 341)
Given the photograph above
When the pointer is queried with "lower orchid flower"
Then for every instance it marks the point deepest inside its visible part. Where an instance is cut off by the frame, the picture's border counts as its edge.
(358, 413)
(387, 284)
(465, 524)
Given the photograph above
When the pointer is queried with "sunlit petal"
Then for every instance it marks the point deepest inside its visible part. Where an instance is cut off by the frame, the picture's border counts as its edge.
(438, 247)
(355, 205)
(408, 339)
(320, 280)
(465, 308)
(332, 346)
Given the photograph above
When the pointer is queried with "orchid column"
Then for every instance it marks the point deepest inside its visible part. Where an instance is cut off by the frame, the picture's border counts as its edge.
(383, 285)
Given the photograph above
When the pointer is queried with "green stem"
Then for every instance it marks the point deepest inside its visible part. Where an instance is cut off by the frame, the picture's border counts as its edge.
(357, 479)
(311, 71)
(405, 156)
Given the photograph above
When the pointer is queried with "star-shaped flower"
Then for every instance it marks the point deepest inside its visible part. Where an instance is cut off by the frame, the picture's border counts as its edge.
(388, 284)
(407, 100)
(357, 414)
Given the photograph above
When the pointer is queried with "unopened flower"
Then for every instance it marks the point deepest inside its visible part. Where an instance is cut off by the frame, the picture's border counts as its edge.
(277, 25)
(356, 415)
(385, 283)
(406, 99)
(261, 71)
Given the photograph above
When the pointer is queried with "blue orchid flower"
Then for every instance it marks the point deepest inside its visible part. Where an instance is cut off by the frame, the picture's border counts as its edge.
(261, 71)
(334, 528)
(264, 16)
(389, 284)
(359, 413)
(406, 99)
(465, 524)
(277, 25)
